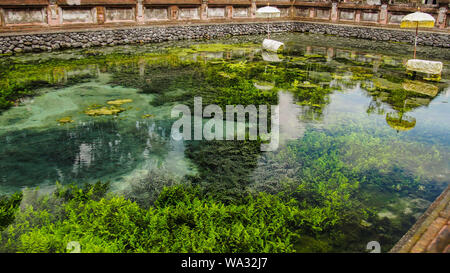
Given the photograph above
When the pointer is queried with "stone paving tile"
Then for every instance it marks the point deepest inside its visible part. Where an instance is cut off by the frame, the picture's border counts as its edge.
(447, 249)
(441, 241)
(431, 233)
(445, 213)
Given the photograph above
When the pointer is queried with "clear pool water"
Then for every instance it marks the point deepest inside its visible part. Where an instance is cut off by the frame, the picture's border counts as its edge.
(352, 124)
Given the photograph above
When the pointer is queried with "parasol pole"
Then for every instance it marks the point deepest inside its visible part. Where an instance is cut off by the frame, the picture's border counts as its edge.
(268, 24)
(415, 41)
(417, 34)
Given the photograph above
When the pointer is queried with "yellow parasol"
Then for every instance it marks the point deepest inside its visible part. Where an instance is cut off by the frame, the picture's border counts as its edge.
(416, 20)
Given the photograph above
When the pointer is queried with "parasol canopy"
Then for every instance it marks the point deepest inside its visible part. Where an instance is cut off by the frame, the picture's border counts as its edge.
(268, 12)
(416, 20)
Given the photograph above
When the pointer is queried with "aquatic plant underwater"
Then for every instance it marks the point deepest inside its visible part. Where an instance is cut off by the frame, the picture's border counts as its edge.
(364, 149)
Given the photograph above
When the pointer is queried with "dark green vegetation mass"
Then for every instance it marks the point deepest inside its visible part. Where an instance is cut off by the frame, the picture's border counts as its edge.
(344, 181)
(181, 220)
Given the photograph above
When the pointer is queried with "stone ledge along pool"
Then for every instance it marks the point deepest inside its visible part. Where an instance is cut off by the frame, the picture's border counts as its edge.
(363, 149)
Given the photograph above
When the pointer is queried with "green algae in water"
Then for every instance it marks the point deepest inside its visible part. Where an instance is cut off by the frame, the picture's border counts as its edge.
(104, 111)
(65, 120)
(119, 102)
(339, 158)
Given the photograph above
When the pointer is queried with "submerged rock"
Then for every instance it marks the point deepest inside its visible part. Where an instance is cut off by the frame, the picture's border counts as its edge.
(113, 109)
(387, 214)
(104, 111)
(119, 102)
(66, 120)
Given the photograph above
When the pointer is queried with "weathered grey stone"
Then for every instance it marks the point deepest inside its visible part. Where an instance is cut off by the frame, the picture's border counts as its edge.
(167, 33)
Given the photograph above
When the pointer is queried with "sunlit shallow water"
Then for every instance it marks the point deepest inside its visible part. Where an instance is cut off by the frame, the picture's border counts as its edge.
(350, 118)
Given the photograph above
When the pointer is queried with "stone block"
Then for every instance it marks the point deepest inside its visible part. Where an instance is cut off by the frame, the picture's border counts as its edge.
(424, 66)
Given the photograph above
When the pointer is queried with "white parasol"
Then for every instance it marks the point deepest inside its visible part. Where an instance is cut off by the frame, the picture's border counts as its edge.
(416, 20)
(268, 12)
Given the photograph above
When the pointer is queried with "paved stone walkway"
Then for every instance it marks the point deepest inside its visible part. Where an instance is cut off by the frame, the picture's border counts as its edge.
(431, 233)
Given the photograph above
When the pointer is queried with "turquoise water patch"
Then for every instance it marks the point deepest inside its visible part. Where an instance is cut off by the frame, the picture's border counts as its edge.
(70, 152)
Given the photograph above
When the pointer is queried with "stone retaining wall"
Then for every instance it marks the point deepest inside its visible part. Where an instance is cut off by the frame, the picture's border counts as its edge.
(10, 44)
(374, 33)
(17, 15)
